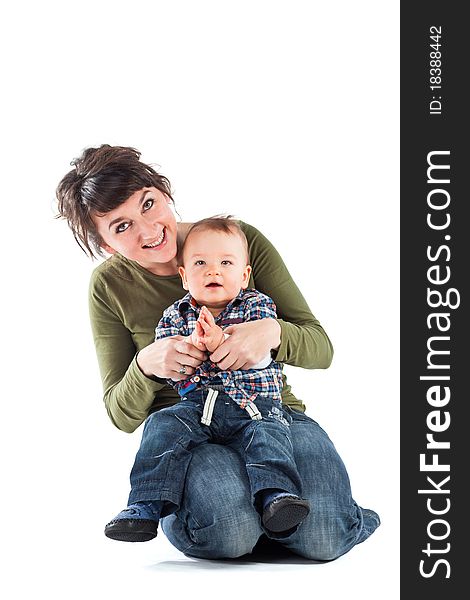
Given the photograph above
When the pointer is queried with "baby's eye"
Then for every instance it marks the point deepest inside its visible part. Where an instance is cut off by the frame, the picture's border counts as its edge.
(226, 262)
(122, 227)
(147, 204)
(200, 262)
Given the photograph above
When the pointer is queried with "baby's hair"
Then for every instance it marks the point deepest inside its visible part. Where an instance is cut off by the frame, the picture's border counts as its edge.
(223, 223)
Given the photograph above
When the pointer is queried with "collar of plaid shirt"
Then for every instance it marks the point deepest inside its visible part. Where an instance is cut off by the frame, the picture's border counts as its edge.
(189, 304)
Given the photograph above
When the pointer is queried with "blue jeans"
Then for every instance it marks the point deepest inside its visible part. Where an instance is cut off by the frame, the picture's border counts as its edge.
(216, 518)
(171, 435)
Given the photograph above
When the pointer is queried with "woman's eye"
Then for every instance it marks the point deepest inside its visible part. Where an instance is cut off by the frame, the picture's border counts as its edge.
(147, 204)
(122, 227)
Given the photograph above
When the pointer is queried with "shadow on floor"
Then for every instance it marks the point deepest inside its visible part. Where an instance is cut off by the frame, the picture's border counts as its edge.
(266, 552)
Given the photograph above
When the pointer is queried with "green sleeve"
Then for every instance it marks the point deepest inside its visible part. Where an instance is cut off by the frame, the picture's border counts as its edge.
(128, 393)
(304, 342)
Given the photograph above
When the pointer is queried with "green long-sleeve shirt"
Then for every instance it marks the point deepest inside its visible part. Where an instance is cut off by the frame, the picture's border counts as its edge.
(126, 302)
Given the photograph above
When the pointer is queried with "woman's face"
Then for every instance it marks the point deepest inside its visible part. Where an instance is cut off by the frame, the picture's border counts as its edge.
(143, 229)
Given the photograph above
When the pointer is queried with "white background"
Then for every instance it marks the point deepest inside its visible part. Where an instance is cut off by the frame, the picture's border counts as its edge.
(283, 113)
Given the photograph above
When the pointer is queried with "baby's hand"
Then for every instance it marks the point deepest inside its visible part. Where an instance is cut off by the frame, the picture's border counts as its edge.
(213, 335)
(196, 338)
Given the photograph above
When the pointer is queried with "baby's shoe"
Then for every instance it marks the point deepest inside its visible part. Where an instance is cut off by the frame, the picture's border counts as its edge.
(136, 523)
(282, 512)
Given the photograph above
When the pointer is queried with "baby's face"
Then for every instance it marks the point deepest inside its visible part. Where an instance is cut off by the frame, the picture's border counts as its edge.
(215, 267)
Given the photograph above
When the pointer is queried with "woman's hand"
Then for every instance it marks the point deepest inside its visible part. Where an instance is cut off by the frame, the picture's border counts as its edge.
(248, 344)
(164, 358)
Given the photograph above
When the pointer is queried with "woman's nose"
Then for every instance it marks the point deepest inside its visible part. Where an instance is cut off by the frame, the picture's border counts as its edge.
(147, 230)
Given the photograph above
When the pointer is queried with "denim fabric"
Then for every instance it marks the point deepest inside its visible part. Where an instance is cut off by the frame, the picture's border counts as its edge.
(169, 435)
(217, 519)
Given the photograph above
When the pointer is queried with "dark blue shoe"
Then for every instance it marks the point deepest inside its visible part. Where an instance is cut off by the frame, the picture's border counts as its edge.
(284, 513)
(136, 523)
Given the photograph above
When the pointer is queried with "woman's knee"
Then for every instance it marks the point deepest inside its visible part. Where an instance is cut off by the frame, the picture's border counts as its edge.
(217, 518)
(327, 534)
(228, 538)
(231, 537)
(216, 480)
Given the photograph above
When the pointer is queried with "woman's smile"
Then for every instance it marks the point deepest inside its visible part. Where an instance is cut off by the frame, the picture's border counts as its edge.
(158, 242)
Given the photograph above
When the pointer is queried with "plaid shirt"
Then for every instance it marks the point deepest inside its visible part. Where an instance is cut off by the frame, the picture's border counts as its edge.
(243, 386)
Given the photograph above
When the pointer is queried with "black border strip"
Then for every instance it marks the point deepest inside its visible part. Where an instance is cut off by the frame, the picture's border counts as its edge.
(433, 260)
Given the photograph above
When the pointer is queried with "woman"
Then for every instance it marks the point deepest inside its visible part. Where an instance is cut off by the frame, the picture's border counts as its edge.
(115, 203)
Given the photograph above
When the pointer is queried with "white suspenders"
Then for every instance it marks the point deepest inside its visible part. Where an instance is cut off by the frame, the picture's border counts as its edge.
(209, 404)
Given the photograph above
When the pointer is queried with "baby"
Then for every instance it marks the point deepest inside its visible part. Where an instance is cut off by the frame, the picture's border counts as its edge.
(237, 407)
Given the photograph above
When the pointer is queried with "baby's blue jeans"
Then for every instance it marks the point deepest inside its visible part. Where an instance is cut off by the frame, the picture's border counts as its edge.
(172, 434)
